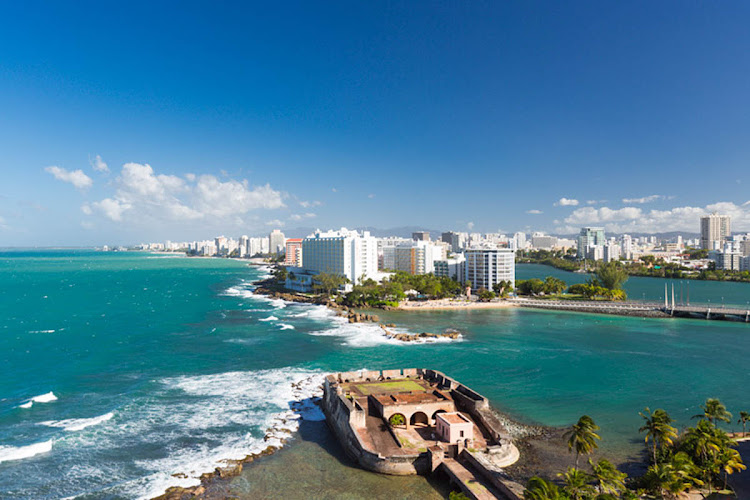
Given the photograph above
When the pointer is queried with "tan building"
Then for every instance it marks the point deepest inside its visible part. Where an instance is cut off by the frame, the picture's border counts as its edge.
(715, 229)
(454, 427)
(293, 252)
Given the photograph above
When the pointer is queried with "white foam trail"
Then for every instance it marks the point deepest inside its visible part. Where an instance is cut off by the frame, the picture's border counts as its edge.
(244, 412)
(270, 318)
(285, 326)
(77, 424)
(42, 398)
(45, 398)
(41, 331)
(8, 453)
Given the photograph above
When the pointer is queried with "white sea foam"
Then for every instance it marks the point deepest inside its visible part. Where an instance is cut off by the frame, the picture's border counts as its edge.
(230, 415)
(8, 453)
(77, 424)
(285, 326)
(41, 331)
(270, 318)
(42, 398)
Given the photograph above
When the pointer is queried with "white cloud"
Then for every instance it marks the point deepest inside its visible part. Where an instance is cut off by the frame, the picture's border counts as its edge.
(112, 209)
(633, 219)
(98, 164)
(87, 224)
(75, 177)
(142, 194)
(86, 209)
(275, 222)
(308, 204)
(470, 225)
(334, 190)
(3, 225)
(308, 215)
(645, 199)
(534, 212)
(566, 202)
(371, 196)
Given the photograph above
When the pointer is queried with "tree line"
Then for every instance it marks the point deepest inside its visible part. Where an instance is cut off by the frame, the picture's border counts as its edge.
(701, 457)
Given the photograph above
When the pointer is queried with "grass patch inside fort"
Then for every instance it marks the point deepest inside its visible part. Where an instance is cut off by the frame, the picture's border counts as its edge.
(391, 386)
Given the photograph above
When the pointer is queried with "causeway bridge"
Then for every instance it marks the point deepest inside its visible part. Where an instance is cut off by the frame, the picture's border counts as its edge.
(642, 309)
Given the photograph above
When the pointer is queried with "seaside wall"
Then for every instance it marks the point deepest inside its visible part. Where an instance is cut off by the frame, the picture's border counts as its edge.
(344, 417)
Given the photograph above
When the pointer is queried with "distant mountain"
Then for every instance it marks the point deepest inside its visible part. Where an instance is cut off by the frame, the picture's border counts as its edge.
(660, 236)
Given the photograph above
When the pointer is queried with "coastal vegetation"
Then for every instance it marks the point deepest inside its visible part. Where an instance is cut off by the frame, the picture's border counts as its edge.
(394, 289)
(646, 266)
(700, 458)
(605, 285)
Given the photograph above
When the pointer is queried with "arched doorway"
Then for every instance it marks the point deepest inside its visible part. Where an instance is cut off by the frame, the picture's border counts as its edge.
(420, 418)
(397, 420)
(434, 415)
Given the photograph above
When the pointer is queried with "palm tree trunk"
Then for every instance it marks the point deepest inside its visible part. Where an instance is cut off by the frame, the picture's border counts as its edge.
(578, 454)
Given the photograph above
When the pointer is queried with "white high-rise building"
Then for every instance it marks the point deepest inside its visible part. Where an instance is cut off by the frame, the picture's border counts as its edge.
(520, 239)
(611, 252)
(343, 252)
(453, 267)
(276, 241)
(485, 267)
(627, 246)
(715, 229)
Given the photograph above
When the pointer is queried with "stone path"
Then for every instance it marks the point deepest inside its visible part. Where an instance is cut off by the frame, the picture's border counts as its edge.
(473, 486)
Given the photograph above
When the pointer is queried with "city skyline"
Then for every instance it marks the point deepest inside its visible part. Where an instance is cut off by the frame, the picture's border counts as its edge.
(497, 118)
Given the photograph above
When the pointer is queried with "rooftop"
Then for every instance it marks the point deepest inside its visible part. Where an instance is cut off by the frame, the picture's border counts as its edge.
(453, 418)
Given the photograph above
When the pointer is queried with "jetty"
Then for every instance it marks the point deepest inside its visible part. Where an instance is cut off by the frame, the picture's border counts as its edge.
(420, 421)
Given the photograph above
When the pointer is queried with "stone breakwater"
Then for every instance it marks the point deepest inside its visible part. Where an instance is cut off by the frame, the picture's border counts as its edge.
(281, 431)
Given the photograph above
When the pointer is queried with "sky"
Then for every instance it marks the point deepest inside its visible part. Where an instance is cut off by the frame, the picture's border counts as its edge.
(145, 121)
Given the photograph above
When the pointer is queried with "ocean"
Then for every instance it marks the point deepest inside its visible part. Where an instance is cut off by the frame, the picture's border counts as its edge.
(122, 374)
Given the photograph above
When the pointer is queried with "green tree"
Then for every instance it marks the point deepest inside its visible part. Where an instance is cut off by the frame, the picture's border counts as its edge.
(611, 275)
(607, 478)
(713, 411)
(554, 285)
(582, 437)
(576, 483)
(328, 283)
(534, 286)
(396, 419)
(502, 288)
(744, 417)
(541, 489)
(658, 429)
(485, 295)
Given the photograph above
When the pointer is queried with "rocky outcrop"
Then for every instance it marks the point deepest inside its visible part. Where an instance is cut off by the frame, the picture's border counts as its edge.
(355, 317)
(412, 337)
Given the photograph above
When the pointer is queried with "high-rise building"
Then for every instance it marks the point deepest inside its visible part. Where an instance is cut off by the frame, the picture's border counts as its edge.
(276, 241)
(715, 229)
(485, 267)
(220, 242)
(420, 236)
(455, 240)
(453, 267)
(293, 256)
(540, 241)
(611, 252)
(627, 246)
(343, 252)
(589, 236)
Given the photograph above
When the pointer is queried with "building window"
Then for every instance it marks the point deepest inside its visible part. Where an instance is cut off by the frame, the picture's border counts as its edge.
(462, 433)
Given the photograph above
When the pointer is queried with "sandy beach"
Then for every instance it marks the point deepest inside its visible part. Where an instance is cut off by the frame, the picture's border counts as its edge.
(447, 304)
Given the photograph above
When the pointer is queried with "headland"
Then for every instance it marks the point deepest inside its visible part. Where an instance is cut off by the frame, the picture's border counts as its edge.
(420, 421)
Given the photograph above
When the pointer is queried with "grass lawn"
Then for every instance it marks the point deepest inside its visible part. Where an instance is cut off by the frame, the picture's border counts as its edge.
(393, 386)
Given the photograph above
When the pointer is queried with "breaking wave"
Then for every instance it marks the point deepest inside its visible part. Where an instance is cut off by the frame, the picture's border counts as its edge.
(8, 453)
(77, 424)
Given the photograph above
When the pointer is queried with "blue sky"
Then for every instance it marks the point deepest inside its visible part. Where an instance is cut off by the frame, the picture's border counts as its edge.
(236, 117)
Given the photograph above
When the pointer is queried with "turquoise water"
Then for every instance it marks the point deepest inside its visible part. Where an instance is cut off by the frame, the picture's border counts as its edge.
(165, 365)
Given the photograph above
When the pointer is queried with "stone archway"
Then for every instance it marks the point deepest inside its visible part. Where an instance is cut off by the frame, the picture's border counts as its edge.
(434, 415)
(398, 420)
(419, 418)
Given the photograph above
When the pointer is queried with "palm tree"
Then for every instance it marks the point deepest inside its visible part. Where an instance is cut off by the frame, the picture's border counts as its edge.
(669, 479)
(577, 484)
(540, 489)
(658, 429)
(608, 479)
(744, 418)
(582, 437)
(714, 410)
(730, 461)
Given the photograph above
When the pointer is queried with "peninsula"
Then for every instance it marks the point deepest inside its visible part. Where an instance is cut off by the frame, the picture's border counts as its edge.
(420, 421)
